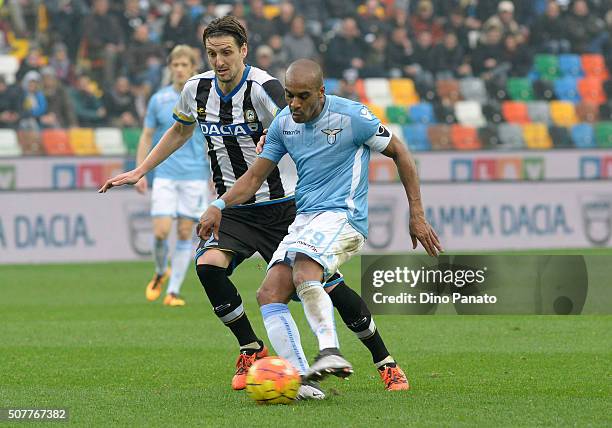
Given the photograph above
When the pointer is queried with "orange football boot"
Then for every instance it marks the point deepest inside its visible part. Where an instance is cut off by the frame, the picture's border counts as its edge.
(244, 362)
(393, 377)
(155, 286)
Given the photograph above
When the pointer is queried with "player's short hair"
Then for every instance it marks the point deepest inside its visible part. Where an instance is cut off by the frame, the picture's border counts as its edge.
(183, 51)
(226, 26)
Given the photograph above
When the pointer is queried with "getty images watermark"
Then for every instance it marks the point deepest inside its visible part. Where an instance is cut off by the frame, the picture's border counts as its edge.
(487, 284)
(407, 277)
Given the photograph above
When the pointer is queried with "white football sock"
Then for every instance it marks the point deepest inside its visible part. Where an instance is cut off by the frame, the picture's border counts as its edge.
(319, 312)
(284, 334)
(160, 255)
(179, 264)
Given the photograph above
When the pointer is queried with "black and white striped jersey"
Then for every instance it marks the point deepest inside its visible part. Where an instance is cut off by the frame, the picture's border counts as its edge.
(232, 125)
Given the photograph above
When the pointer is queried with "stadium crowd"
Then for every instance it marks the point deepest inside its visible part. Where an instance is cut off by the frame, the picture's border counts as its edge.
(95, 63)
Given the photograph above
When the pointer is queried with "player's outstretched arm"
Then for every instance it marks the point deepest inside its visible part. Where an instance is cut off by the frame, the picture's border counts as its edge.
(420, 229)
(171, 141)
(245, 188)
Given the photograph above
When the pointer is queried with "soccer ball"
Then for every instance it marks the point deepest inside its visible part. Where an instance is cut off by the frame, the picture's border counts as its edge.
(272, 380)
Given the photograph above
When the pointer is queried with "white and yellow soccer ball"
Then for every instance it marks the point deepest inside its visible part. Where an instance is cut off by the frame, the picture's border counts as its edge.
(272, 380)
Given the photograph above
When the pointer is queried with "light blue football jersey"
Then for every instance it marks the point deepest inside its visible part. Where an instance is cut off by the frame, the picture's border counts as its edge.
(331, 154)
(190, 161)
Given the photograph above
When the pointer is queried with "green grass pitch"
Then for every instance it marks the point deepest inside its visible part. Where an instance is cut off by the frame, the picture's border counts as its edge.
(83, 337)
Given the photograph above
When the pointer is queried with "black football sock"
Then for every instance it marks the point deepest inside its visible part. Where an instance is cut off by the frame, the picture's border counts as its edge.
(226, 302)
(358, 318)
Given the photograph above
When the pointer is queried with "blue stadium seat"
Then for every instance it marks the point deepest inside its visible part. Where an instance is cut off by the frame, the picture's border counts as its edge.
(570, 65)
(422, 113)
(583, 136)
(566, 89)
(416, 137)
(331, 85)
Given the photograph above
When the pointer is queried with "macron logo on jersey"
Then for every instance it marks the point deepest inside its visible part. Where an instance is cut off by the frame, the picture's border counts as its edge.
(291, 132)
(235, 130)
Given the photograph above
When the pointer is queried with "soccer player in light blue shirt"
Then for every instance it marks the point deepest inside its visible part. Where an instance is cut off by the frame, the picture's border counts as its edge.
(329, 139)
(180, 186)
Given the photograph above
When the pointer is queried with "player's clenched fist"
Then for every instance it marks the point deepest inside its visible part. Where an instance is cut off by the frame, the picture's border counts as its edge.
(209, 223)
(130, 177)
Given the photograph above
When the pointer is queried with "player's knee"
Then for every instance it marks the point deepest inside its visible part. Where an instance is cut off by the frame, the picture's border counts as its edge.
(353, 310)
(160, 234)
(185, 229)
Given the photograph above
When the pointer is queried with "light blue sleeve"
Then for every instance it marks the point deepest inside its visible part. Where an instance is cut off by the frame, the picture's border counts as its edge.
(150, 120)
(364, 124)
(275, 148)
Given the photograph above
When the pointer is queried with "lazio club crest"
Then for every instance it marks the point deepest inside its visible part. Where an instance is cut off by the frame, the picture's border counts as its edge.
(331, 135)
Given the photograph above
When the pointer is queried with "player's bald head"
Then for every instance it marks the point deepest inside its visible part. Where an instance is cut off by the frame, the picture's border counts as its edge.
(304, 72)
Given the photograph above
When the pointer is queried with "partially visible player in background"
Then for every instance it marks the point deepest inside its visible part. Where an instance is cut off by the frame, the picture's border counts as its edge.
(180, 186)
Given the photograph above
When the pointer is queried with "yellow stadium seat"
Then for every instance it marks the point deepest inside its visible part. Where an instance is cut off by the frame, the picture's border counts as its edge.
(403, 92)
(82, 141)
(378, 111)
(271, 11)
(563, 113)
(536, 136)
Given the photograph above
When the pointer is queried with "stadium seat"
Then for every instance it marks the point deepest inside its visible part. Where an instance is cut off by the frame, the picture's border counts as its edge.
(360, 88)
(416, 137)
(439, 137)
(587, 112)
(465, 138)
(378, 111)
(396, 130)
(109, 141)
(570, 65)
(30, 142)
(489, 137)
(583, 136)
(473, 89)
(607, 85)
(469, 113)
(536, 136)
(543, 90)
(331, 85)
(603, 134)
(560, 137)
(444, 113)
(497, 90)
(510, 136)
(403, 92)
(605, 111)
(448, 90)
(56, 142)
(591, 90)
(9, 146)
(520, 89)
(566, 89)
(547, 66)
(538, 111)
(594, 65)
(8, 68)
(562, 113)
(421, 113)
(515, 112)
(378, 91)
(397, 114)
(82, 141)
(425, 90)
(492, 112)
(130, 140)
